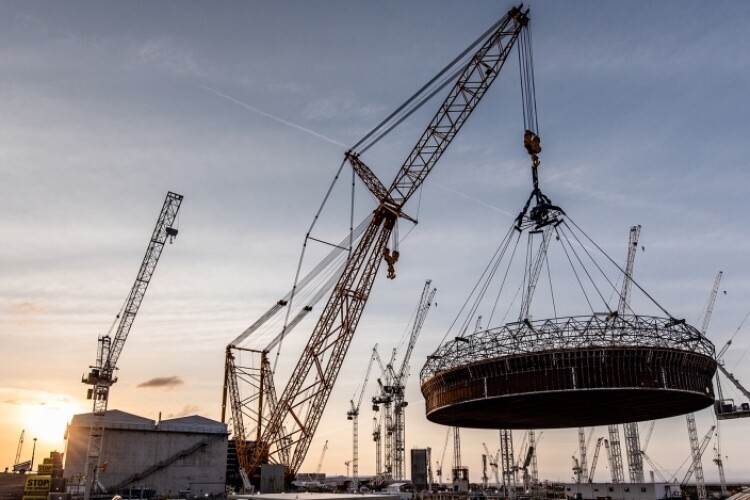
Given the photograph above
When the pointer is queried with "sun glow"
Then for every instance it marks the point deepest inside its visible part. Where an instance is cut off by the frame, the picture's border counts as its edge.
(47, 418)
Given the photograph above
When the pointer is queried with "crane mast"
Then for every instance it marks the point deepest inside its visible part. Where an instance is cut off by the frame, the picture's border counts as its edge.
(318, 367)
(507, 462)
(695, 448)
(20, 448)
(376, 437)
(582, 449)
(353, 415)
(595, 460)
(102, 374)
(322, 457)
(630, 429)
(701, 448)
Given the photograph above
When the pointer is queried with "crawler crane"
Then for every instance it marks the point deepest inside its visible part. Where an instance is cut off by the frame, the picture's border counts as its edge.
(303, 400)
(102, 374)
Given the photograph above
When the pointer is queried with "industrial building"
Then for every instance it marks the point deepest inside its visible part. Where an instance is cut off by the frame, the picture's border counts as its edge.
(185, 456)
(623, 491)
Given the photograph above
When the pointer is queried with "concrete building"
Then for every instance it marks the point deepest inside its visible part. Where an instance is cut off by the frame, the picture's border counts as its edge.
(420, 460)
(182, 456)
(623, 491)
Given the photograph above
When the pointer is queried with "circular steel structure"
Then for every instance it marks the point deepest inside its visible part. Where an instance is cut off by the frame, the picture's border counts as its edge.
(570, 372)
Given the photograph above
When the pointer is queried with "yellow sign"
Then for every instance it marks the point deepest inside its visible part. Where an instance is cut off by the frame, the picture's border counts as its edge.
(36, 485)
(45, 468)
(34, 497)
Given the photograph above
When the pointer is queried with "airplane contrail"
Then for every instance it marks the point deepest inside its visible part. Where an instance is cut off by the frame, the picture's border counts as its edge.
(268, 115)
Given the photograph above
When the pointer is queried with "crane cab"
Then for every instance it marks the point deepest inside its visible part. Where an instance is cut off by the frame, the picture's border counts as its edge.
(726, 409)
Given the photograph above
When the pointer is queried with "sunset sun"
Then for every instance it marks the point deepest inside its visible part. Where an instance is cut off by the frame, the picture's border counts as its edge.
(46, 420)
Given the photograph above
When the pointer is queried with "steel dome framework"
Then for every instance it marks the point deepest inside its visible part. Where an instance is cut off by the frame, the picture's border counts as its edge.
(570, 371)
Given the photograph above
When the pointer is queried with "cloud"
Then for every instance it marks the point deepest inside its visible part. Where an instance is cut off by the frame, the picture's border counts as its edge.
(167, 382)
(329, 108)
(24, 307)
(186, 411)
(168, 54)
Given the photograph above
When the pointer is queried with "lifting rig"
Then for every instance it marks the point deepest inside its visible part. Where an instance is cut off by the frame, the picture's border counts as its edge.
(304, 398)
(102, 374)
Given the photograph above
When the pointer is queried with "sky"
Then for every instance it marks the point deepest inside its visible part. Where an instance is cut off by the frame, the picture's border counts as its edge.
(247, 108)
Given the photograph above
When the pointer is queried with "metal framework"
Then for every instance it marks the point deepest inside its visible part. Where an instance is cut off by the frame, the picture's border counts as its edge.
(640, 366)
(630, 429)
(615, 454)
(390, 400)
(102, 374)
(583, 472)
(304, 398)
(507, 462)
(353, 415)
(564, 333)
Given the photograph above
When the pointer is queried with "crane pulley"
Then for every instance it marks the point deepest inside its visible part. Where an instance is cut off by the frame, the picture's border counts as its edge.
(102, 374)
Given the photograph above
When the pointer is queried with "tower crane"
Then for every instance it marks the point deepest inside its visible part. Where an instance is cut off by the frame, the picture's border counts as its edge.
(701, 448)
(595, 459)
(397, 383)
(649, 433)
(439, 471)
(459, 472)
(630, 429)
(102, 374)
(322, 457)
(353, 415)
(485, 478)
(493, 464)
(695, 450)
(720, 463)
(383, 404)
(507, 462)
(376, 436)
(20, 447)
(582, 450)
(304, 398)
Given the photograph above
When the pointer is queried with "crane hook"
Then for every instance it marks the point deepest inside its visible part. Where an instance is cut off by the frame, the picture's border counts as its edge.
(390, 259)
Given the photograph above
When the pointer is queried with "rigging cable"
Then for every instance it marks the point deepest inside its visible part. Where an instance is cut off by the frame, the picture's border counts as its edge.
(595, 264)
(632, 281)
(304, 248)
(418, 93)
